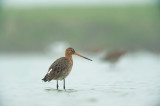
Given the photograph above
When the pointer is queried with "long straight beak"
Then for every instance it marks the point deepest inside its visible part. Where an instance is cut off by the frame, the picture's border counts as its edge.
(82, 56)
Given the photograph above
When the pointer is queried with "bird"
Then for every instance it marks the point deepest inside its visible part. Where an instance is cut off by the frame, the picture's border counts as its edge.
(61, 68)
(114, 56)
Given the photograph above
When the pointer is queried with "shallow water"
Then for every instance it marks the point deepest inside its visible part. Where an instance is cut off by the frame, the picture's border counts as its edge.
(133, 81)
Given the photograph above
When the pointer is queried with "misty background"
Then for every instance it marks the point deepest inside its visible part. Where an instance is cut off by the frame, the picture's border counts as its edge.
(92, 25)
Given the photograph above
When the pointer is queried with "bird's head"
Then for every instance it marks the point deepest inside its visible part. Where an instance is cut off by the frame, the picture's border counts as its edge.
(71, 51)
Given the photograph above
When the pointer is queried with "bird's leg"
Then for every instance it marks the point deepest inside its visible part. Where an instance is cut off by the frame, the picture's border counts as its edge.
(57, 85)
(64, 84)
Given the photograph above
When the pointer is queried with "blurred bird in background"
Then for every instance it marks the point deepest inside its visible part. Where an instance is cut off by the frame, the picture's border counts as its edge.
(114, 56)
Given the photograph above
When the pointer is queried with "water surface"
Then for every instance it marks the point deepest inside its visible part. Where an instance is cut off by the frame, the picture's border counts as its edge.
(133, 81)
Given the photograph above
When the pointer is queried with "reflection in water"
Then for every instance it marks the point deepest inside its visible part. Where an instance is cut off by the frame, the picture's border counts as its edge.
(59, 90)
(134, 80)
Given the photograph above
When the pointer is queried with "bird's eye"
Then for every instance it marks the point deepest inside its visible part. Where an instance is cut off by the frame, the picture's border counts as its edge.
(72, 50)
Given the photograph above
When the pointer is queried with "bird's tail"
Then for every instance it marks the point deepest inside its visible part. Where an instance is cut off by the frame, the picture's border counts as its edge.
(45, 78)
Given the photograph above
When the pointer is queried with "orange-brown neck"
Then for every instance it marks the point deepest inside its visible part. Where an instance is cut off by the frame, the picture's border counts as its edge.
(69, 56)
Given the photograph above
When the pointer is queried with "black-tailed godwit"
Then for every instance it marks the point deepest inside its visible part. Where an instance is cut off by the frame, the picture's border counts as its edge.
(114, 56)
(61, 68)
